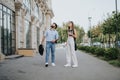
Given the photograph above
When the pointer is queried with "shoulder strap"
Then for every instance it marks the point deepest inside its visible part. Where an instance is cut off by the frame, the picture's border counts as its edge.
(73, 31)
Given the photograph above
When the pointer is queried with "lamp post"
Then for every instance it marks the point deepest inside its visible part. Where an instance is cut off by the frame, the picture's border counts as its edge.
(116, 8)
(116, 25)
(89, 18)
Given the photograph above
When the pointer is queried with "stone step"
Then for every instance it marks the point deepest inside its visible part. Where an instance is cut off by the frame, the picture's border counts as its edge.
(2, 57)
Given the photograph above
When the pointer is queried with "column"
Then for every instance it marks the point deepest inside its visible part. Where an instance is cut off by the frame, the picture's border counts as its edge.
(18, 5)
(32, 31)
(48, 21)
(17, 16)
(0, 39)
(23, 29)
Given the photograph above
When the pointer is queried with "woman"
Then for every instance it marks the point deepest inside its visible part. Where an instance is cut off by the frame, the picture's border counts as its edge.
(70, 55)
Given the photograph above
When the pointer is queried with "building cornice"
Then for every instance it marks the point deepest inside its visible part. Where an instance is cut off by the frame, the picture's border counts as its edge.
(8, 3)
(18, 4)
(45, 8)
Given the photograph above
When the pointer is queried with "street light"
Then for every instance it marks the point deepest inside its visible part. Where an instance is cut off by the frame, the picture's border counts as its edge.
(89, 18)
(116, 24)
(116, 7)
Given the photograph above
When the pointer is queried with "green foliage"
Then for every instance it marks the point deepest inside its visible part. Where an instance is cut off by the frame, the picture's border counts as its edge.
(111, 53)
(108, 26)
(115, 63)
(106, 31)
(92, 50)
(89, 34)
(82, 48)
(99, 51)
(119, 55)
(63, 33)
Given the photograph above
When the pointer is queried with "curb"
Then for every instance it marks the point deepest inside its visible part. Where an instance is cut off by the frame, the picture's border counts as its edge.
(14, 56)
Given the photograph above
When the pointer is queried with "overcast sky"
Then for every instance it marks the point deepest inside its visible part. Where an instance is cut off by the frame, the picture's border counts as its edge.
(79, 11)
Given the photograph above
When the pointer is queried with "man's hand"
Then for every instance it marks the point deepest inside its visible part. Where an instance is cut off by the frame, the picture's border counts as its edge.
(53, 41)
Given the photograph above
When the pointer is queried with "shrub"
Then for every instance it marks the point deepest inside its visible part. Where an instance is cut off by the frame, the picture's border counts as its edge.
(111, 53)
(99, 51)
(119, 55)
(87, 49)
(81, 47)
(92, 50)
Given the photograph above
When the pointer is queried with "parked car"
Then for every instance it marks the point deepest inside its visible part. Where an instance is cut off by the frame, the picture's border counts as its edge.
(118, 44)
(96, 44)
(85, 44)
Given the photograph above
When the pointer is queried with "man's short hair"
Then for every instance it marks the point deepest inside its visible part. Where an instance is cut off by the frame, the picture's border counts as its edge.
(55, 25)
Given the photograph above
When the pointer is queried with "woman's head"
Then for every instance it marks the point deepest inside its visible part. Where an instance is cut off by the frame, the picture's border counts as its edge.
(71, 25)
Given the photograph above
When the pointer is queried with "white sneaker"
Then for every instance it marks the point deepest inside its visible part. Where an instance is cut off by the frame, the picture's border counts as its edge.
(46, 64)
(74, 66)
(67, 65)
(53, 64)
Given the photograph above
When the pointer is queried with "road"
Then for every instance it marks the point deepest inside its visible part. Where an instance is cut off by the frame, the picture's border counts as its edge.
(32, 68)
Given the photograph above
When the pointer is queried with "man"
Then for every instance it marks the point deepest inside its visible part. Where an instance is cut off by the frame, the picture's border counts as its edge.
(51, 36)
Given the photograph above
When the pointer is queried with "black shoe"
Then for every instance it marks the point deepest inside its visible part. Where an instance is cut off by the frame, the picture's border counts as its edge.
(46, 65)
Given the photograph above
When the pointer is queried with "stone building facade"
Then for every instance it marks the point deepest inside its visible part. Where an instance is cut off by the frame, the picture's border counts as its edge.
(22, 24)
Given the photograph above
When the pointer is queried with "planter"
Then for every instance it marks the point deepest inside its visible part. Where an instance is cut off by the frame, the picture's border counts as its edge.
(29, 52)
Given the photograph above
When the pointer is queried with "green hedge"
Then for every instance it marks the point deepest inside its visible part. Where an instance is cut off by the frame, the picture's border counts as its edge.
(100, 51)
(109, 53)
(112, 55)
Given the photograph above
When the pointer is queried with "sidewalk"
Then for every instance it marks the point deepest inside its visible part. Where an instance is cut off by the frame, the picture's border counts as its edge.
(32, 68)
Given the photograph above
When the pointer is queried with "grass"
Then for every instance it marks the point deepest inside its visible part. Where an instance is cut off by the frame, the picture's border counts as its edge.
(115, 63)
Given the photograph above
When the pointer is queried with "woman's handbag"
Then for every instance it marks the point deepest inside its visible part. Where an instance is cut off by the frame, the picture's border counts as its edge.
(75, 44)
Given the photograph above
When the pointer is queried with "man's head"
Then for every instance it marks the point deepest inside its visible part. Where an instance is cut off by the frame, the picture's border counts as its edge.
(54, 25)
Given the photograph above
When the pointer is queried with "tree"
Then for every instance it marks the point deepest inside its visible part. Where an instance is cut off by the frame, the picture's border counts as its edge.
(63, 33)
(107, 31)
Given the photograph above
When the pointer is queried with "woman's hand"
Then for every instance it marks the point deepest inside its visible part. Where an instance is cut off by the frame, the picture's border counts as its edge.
(70, 34)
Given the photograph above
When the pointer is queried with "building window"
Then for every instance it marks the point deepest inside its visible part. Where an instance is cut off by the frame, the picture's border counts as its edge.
(0, 23)
(37, 11)
(26, 4)
(38, 36)
(6, 17)
(0, 6)
(44, 18)
(27, 34)
(40, 16)
(0, 15)
(4, 8)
